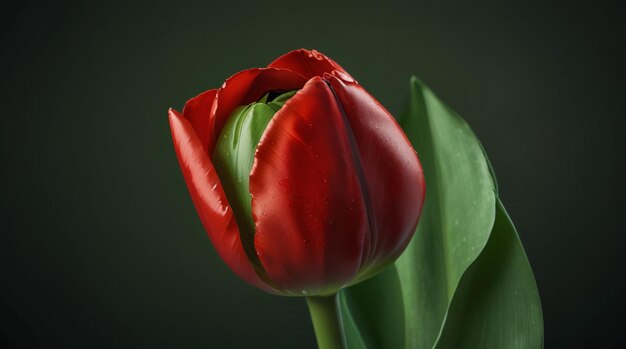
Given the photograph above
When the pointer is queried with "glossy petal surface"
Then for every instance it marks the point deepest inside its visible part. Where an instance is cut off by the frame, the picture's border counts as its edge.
(306, 63)
(392, 171)
(198, 110)
(245, 87)
(306, 197)
(210, 201)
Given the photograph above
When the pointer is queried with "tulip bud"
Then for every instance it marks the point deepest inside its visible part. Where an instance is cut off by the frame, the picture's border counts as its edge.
(303, 181)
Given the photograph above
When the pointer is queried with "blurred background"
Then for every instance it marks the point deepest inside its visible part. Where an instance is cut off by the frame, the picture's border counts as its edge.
(101, 245)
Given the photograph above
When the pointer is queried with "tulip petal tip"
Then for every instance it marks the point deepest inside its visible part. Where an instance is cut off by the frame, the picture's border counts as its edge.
(172, 114)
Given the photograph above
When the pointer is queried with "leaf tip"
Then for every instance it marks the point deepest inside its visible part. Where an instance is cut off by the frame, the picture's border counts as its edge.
(414, 81)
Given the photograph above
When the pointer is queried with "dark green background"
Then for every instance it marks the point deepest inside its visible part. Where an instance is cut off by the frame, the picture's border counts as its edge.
(101, 246)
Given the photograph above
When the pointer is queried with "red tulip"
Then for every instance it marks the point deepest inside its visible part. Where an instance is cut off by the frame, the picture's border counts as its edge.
(335, 187)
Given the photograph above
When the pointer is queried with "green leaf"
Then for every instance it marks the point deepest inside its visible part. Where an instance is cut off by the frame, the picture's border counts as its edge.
(352, 333)
(455, 227)
(497, 303)
(373, 312)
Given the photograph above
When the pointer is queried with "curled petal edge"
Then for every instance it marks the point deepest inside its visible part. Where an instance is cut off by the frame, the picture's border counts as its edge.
(246, 87)
(210, 201)
(307, 63)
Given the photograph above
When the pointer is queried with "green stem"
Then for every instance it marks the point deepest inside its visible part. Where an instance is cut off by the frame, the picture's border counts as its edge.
(326, 316)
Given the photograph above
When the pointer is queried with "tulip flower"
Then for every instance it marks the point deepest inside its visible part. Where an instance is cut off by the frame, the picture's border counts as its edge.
(304, 182)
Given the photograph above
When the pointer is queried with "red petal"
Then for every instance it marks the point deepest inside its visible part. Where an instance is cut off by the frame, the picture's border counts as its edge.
(310, 216)
(246, 87)
(393, 173)
(210, 201)
(306, 63)
(198, 110)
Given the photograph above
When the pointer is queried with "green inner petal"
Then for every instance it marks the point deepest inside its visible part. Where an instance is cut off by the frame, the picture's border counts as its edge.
(234, 155)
